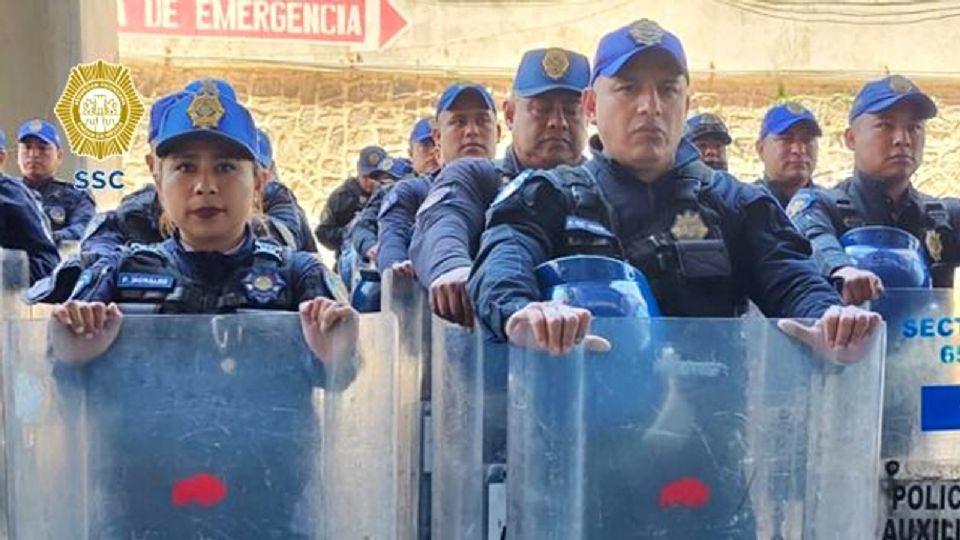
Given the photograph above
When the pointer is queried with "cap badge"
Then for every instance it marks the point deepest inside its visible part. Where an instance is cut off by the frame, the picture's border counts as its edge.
(796, 108)
(205, 111)
(555, 63)
(900, 84)
(35, 125)
(646, 32)
(373, 158)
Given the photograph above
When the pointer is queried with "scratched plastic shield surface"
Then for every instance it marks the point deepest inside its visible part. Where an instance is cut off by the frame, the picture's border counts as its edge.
(204, 427)
(920, 469)
(695, 429)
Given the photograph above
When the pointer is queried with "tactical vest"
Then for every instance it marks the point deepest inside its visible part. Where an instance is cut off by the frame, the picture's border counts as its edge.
(934, 232)
(149, 280)
(690, 274)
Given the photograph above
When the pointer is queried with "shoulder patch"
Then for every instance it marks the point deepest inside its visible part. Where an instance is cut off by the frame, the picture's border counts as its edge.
(803, 200)
(512, 187)
(435, 197)
(389, 200)
(268, 249)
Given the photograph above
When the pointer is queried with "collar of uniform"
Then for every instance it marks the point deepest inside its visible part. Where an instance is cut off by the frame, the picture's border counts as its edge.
(686, 154)
(510, 164)
(38, 184)
(875, 195)
(187, 248)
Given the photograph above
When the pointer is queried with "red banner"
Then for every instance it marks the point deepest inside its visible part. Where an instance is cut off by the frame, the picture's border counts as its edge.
(334, 21)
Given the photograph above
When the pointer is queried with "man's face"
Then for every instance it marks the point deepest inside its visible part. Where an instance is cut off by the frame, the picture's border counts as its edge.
(370, 182)
(467, 128)
(547, 130)
(425, 156)
(640, 112)
(713, 149)
(790, 157)
(888, 144)
(38, 159)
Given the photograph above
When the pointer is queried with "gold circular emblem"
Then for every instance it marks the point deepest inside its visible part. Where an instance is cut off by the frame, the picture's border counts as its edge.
(205, 111)
(99, 109)
(263, 283)
(555, 63)
(373, 158)
(386, 164)
(646, 32)
(900, 84)
(796, 108)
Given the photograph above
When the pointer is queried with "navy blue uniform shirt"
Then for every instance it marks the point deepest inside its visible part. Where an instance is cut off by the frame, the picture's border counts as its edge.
(68, 208)
(22, 227)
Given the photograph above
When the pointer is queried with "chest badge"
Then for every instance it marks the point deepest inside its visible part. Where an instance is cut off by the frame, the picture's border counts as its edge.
(263, 285)
(689, 226)
(934, 245)
(57, 215)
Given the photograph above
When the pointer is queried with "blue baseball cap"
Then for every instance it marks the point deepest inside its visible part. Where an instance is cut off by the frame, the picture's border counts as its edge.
(454, 91)
(401, 167)
(543, 70)
(705, 124)
(878, 96)
(223, 87)
(157, 110)
(422, 131)
(618, 47)
(40, 129)
(264, 148)
(782, 117)
(374, 159)
(207, 113)
(3, 140)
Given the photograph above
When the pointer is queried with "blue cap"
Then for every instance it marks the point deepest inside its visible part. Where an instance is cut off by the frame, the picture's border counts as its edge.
(40, 129)
(782, 117)
(618, 47)
(3, 140)
(401, 167)
(264, 149)
(374, 159)
(705, 124)
(207, 112)
(454, 91)
(543, 70)
(878, 96)
(157, 110)
(223, 87)
(422, 130)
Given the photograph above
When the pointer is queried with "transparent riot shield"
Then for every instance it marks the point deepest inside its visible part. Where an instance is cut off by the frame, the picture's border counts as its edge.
(205, 427)
(408, 301)
(469, 434)
(920, 469)
(695, 429)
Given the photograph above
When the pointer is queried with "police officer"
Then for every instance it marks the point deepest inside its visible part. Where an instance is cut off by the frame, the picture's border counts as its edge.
(706, 243)
(649, 199)
(361, 233)
(548, 129)
(787, 147)
(887, 133)
(39, 155)
(345, 201)
(466, 126)
(709, 134)
(279, 202)
(424, 154)
(22, 223)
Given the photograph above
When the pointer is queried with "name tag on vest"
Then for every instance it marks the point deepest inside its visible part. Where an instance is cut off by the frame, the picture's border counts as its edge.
(127, 280)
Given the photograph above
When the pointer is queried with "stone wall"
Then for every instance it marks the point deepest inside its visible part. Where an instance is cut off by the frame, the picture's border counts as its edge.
(320, 119)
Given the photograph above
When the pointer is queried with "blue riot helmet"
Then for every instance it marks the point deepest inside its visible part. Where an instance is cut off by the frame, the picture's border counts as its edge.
(365, 296)
(894, 255)
(604, 286)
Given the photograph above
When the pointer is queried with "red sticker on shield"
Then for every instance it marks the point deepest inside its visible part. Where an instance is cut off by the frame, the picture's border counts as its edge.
(687, 492)
(202, 489)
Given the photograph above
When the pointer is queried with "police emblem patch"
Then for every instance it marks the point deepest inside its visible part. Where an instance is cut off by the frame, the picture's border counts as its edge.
(646, 32)
(900, 84)
(934, 245)
(689, 226)
(512, 187)
(263, 285)
(800, 202)
(57, 215)
(795, 108)
(99, 109)
(709, 119)
(35, 125)
(386, 164)
(433, 198)
(373, 158)
(555, 63)
(205, 111)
